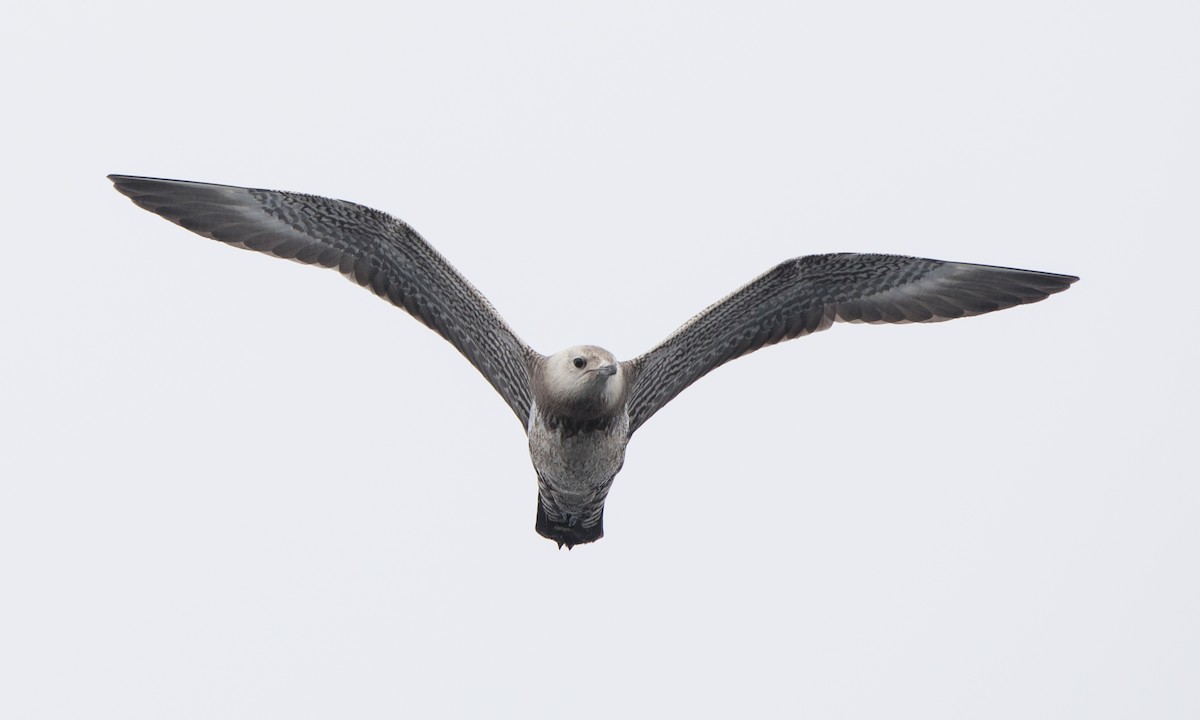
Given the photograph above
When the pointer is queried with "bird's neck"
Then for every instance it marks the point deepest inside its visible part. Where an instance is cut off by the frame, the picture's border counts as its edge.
(569, 425)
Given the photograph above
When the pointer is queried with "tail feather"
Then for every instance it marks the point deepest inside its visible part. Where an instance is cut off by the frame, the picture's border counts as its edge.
(566, 534)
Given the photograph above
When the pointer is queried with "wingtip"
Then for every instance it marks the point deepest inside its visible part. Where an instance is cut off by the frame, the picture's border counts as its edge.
(1061, 277)
(1047, 282)
(1058, 282)
(1065, 281)
(120, 183)
(131, 185)
(123, 182)
(118, 179)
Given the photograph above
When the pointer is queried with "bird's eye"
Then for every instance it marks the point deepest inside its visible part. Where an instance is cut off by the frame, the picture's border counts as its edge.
(579, 362)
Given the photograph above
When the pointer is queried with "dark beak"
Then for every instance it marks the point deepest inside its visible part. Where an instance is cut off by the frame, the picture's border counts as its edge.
(606, 370)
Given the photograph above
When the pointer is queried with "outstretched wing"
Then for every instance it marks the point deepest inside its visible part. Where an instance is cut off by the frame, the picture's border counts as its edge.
(367, 246)
(808, 294)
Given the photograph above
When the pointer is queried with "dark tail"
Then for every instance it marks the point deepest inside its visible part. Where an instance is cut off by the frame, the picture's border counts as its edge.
(566, 534)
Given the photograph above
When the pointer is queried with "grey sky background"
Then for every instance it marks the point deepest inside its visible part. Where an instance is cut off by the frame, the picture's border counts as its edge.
(235, 487)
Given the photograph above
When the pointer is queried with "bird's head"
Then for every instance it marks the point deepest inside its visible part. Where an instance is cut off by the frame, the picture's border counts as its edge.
(581, 381)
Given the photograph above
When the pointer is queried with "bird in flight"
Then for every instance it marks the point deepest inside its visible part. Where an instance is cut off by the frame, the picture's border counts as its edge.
(580, 406)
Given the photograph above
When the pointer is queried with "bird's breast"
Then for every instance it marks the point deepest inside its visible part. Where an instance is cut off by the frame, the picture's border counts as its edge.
(577, 457)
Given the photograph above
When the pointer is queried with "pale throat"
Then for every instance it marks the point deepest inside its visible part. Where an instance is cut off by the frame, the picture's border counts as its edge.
(577, 392)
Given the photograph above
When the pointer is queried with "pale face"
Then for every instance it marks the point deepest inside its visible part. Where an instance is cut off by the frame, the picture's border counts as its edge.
(585, 374)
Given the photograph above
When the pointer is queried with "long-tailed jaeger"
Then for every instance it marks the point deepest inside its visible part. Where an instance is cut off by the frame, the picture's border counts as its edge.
(580, 406)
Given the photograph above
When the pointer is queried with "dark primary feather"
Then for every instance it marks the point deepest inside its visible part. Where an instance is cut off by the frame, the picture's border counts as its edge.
(808, 294)
(367, 246)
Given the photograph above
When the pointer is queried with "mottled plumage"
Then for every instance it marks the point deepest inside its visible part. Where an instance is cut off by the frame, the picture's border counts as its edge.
(580, 406)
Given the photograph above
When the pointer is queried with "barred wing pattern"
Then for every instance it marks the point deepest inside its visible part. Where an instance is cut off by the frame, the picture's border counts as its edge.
(808, 294)
(369, 247)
